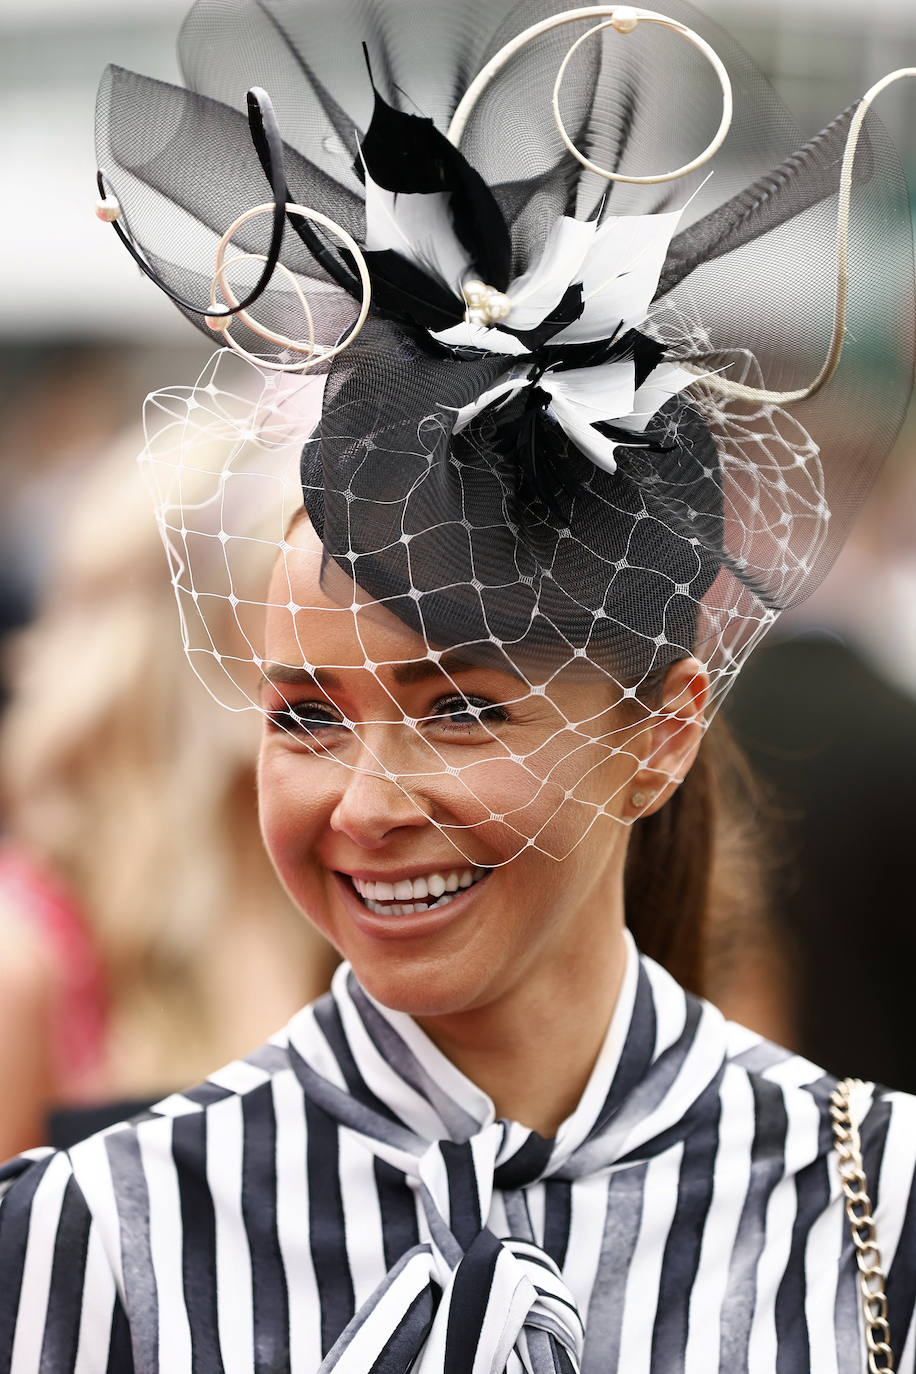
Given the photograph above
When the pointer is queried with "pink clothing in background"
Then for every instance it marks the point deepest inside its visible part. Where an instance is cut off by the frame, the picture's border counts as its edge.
(31, 894)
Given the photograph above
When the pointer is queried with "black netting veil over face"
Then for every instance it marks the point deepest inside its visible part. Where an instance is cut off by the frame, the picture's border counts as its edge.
(580, 356)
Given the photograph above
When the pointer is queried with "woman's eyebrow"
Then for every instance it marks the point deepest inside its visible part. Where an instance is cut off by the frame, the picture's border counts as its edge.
(285, 675)
(450, 663)
(405, 674)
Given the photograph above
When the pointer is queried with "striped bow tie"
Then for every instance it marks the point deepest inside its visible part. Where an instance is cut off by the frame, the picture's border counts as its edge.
(466, 1297)
(464, 1301)
(467, 1301)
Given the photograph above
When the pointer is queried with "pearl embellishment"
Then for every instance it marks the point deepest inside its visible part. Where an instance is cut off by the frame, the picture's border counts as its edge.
(485, 304)
(108, 208)
(624, 19)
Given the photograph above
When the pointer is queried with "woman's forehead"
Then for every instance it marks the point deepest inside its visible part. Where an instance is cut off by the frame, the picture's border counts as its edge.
(318, 616)
(319, 619)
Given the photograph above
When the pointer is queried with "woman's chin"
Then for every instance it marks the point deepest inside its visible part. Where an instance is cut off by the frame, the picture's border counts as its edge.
(422, 961)
(420, 987)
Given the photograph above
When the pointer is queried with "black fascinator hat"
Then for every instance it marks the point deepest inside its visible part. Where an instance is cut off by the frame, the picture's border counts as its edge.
(573, 403)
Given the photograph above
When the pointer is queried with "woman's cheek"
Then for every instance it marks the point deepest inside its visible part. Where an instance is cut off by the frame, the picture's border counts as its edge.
(290, 813)
(502, 786)
(529, 791)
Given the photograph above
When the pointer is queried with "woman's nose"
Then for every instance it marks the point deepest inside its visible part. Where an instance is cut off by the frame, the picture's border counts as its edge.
(372, 805)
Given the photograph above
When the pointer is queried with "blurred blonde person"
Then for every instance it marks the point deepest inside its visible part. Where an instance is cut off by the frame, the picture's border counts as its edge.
(146, 939)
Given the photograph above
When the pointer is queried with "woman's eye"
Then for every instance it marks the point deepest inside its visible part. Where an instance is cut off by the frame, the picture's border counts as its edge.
(305, 717)
(466, 713)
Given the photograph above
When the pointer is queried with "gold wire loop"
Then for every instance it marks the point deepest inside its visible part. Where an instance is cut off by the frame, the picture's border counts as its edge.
(222, 322)
(862, 1228)
(835, 351)
(314, 353)
(624, 20)
(649, 17)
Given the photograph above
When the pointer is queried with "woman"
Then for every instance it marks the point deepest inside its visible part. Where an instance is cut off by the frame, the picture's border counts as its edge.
(554, 498)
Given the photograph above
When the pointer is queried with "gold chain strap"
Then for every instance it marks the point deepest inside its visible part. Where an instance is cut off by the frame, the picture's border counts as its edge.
(862, 1226)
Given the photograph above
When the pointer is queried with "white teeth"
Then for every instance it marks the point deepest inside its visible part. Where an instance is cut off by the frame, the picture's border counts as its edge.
(395, 908)
(411, 895)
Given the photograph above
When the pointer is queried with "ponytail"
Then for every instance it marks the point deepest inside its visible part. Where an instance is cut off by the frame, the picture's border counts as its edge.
(694, 869)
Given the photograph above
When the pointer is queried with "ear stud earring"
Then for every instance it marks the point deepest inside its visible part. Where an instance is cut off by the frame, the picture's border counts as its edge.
(639, 800)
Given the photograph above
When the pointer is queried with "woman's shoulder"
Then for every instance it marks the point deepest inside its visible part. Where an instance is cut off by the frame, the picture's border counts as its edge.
(239, 1103)
(794, 1106)
(73, 1222)
(764, 1061)
(231, 1087)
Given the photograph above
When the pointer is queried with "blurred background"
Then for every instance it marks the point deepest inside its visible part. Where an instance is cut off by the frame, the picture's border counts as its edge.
(827, 709)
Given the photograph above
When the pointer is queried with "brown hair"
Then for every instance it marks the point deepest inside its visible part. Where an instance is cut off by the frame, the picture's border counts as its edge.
(696, 870)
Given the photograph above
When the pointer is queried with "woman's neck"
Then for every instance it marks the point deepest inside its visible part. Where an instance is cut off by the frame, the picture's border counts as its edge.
(533, 1050)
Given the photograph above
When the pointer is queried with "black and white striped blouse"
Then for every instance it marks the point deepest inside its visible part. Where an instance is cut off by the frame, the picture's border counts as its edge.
(345, 1199)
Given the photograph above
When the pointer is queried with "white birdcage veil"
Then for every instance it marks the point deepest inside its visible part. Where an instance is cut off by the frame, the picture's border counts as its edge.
(574, 425)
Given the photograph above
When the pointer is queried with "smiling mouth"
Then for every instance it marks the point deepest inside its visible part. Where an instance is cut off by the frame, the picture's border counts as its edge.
(412, 896)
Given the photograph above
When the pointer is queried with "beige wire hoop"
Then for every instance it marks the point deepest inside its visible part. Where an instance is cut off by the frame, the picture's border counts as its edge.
(750, 393)
(624, 20)
(315, 353)
(224, 322)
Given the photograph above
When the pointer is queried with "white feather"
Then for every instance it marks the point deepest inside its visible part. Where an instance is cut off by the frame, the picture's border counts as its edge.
(420, 228)
(466, 335)
(543, 286)
(585, 395)
(597, 393)
(620, 275)
(596, 447)
(487, 398)
(662, 383)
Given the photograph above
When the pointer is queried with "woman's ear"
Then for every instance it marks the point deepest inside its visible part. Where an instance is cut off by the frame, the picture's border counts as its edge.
(674, 737)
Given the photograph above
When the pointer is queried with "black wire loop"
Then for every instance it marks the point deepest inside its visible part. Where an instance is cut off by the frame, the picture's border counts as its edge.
(265, 135)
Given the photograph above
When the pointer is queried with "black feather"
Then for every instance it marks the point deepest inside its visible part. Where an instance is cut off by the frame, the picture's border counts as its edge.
(402, 290)
(407, 154)
(568, 310)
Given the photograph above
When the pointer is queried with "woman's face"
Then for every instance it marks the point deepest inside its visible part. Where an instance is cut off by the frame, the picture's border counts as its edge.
(408, 806)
